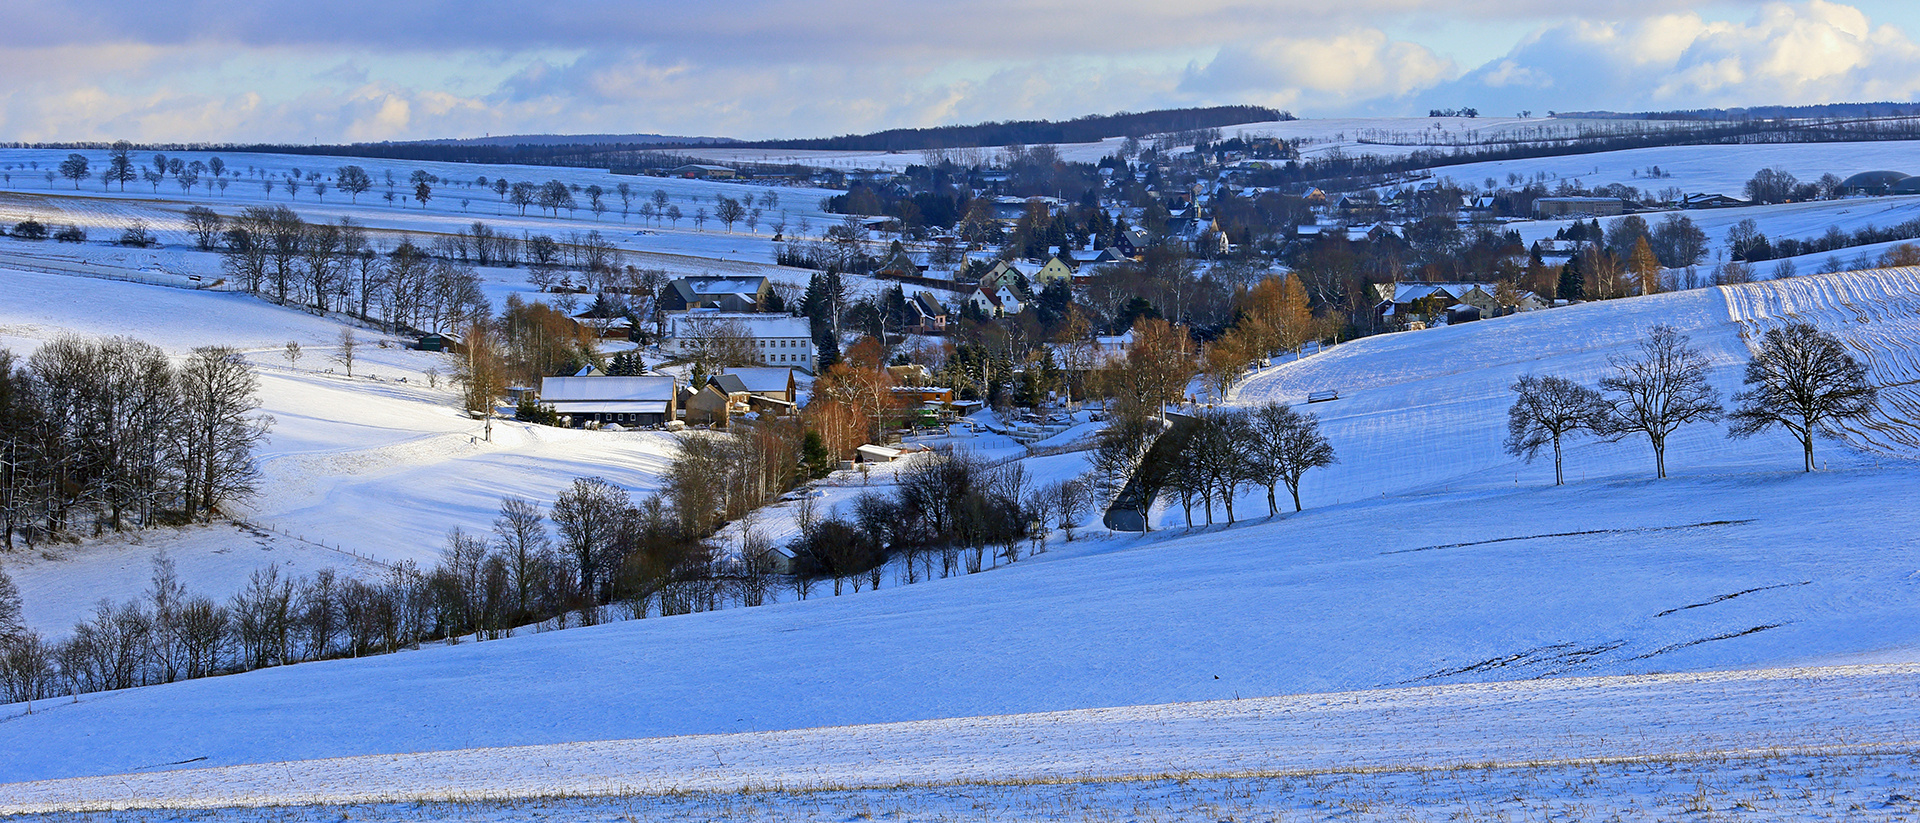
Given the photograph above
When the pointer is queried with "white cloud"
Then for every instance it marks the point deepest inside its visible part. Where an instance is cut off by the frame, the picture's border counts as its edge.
(1785, 54)
(279, 70)
(1353, 65)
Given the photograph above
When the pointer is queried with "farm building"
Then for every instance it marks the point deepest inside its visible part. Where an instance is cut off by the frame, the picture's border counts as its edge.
(775, 339)
(439, 342)
(738, 294)
(761, 382)
(627, 401)
(703, 171)
(1578, 207)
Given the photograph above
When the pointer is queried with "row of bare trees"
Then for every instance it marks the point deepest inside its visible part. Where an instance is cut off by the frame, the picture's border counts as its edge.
(111, 433)
(950, 511)
(1802, 380)
(595, 547)
(269, 250)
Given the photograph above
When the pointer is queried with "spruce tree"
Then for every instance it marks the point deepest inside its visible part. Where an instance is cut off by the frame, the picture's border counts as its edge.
(1572, 279)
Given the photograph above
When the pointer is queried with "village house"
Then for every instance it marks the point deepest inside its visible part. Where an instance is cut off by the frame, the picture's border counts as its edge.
(604, 324)
(758, 389)
(1093, 354)
(1711, 201)
(1133, 242)
(773, 383)
(926, 314)
(735, 294)
(709, 406)
(775, 339)
(1001, 273)
(625, 401)
(1058, 268)
(1002, 301)
(1400, 301)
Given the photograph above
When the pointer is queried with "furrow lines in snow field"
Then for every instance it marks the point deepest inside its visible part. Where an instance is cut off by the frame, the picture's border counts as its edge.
(1877, 315)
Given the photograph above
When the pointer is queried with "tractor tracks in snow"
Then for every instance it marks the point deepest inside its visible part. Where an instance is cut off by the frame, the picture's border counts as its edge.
(1643, 530)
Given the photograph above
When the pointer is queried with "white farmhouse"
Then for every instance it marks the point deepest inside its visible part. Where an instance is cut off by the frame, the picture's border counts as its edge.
(776, 339)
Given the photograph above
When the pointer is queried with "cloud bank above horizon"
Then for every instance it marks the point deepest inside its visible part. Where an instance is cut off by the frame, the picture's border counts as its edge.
(357, 70)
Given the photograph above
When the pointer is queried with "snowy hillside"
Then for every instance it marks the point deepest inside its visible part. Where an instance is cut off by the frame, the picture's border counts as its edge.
(682, 247)
(380, 464)
(1426, 557)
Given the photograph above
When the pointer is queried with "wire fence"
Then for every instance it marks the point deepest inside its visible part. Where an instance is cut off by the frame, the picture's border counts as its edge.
(332, 547)
(189, 282)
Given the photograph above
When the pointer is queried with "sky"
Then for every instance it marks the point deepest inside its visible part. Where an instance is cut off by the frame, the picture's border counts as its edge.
(332, 71)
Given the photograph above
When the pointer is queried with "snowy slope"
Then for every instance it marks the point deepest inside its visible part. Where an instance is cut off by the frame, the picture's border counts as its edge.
(681, 248)
(1664, 719)
(1723, 169)
(1428, 557)
(380, 464)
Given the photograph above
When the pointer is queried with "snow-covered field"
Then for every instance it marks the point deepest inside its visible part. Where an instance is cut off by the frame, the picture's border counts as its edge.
(682, 248)
(1802, 221)
(1426, 558)
(379, 465)
(1446, 731)
(1723, 169)
(1619, 645)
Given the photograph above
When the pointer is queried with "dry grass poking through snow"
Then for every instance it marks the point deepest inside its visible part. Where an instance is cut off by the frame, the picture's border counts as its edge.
(1876, 785)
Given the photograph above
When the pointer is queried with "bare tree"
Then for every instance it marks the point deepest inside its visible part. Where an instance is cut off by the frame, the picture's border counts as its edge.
(729, 211)
(1803, 380)
(753, 573)
(349, 345)
(521, 533)
(1547, 409)
(205, 226)
(589, 514)
(292, 354)
(75, 168)
(218, 428)
(481, 374)
(1040, 507)
(1071, 502)
(26, 669)
(166, 595)
(10, 625)
(1289, 444)
(1660, 390)
(353, 180)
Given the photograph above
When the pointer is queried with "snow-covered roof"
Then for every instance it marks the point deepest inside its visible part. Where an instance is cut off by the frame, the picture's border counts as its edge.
(723, 285)
(620, 407)
(556, 390)
(762, 379)
(749, 323)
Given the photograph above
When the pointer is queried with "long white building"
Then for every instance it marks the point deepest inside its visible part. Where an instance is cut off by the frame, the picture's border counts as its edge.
(778, 339)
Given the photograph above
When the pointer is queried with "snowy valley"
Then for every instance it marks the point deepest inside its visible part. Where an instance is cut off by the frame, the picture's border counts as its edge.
(1442, 631)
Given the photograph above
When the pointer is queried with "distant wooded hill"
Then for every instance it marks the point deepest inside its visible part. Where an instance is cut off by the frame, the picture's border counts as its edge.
(1088, 129)
(574, 140)
(658, 151)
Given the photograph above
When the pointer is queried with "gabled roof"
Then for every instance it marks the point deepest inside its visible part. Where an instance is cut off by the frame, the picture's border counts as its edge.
(762, 378)
(929, 305)
(701, 286)
(729, 383)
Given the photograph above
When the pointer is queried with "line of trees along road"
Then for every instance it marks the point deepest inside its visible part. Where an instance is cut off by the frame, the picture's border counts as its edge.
(1801, 379)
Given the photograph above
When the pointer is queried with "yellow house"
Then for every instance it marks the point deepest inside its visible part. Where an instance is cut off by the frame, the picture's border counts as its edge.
(1056, 269)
